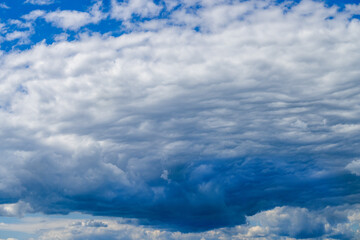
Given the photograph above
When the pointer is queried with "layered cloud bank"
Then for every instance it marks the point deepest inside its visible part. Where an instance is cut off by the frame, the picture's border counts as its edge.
(278, 223)
(200, 115)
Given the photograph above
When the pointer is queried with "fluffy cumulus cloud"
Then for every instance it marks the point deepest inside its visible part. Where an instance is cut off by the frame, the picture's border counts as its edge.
(73, 20)
(235, 119)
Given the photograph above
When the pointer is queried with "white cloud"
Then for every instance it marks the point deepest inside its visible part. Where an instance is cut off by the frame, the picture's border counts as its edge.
(3, 5)
(15, 209)
(73, 20)
(69, 19)
(40, 2)
(353, 8)
(126, 9)
(184, 68)
(354, 167)
(291, 222)
(33, 15)
(18, 35)
(61, 37)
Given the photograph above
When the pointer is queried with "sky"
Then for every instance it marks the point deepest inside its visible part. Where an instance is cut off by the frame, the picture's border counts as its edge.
(179, 119)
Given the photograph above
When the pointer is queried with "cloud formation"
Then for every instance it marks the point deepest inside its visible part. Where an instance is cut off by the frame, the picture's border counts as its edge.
(354, 167)
(278, 223)
(69, 19)
(15, 209)
(40, 2)
(125, 10)
(221, 111)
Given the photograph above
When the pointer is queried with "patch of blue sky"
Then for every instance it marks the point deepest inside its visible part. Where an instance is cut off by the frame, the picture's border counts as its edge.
(5, 234)
(109, 26)
(341, 3)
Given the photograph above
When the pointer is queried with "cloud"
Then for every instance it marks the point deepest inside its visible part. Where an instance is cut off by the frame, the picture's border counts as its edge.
(352, 8)
(40, 2)
(22, 35)
(15, 209)
(69, 19)
(298, 223)
(73, 20)
(354, 167)
(3, 5)
(279, 223)
(193, 125)
(127, 9)
(18, 31)
(33, 15)
(301, 223)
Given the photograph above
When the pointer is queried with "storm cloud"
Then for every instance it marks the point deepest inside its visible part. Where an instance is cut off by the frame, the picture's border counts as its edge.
(194, 122)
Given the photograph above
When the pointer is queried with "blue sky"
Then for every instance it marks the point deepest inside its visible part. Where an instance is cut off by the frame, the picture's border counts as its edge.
(179, 119)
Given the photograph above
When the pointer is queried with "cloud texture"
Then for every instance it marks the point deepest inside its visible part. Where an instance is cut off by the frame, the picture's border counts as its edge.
(222, 110)
(282, 223)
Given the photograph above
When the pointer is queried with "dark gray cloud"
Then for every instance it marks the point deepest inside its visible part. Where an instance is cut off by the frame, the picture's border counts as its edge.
(189, 130)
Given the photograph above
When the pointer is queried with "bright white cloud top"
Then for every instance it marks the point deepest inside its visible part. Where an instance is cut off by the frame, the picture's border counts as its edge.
(195, 119)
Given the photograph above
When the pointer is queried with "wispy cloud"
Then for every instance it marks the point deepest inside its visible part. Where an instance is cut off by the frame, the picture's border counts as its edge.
(40, 2)
(69, 19)
(3, 5)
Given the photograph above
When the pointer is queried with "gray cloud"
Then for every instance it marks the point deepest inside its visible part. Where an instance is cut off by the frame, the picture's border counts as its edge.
(253, 109)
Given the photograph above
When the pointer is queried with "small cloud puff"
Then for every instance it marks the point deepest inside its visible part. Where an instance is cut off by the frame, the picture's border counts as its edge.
(354, 167)
(3, 5)
(33, 15)
(73, 20)
(69, 19)
(126, 9)
(256, 108)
